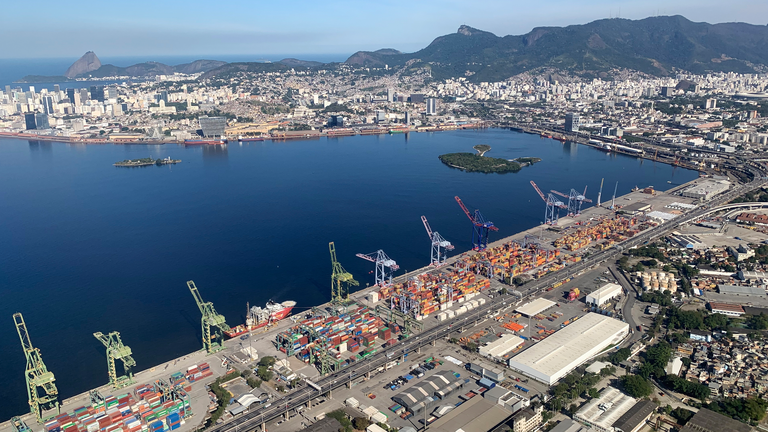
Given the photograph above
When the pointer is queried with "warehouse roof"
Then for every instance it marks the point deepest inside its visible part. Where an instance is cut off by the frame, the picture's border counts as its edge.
(726, 307)
(709, 421)
(741, 290)
(501, 346)
(474, 415)
(555, 355)
(607, 409)
(635, 416)
(535, 307)
(419, 395)
(606, 291)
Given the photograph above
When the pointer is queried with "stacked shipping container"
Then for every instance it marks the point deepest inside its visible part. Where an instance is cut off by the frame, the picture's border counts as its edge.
(612, 230)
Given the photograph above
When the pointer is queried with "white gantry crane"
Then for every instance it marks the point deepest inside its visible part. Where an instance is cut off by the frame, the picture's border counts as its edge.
(385, 266)
(440, 246)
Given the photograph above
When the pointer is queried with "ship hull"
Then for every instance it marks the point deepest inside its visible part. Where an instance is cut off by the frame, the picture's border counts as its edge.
(274, 317)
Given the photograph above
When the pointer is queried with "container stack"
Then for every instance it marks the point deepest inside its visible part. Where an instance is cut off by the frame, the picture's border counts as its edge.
(612, 230)
(354, 332)
(198, 372)
(512, 259)
(146, 412)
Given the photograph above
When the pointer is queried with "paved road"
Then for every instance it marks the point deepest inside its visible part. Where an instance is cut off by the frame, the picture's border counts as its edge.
(253, 419)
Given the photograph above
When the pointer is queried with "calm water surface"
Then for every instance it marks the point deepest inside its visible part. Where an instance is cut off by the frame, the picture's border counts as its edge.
(86, 247)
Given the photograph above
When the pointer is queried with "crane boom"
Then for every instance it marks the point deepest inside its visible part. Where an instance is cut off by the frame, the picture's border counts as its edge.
(541, 194)
(466, 210)
(366, 257)
(341, 279)
(426, 226)
(560, 194)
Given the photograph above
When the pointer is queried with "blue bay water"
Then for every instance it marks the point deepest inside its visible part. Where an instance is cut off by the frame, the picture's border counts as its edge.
(86, 246)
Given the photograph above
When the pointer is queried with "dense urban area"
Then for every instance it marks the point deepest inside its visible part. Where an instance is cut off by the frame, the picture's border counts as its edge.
(641, 312)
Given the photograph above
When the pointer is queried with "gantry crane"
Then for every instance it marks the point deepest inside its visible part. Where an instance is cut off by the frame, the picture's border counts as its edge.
(552, 211)
(19, 425)
(116, 350)
(340, 278)
(600, 194)
(440, 246)
(385, 266)
(213, 324)
(575, 200)
(41, 384)
(480, 227)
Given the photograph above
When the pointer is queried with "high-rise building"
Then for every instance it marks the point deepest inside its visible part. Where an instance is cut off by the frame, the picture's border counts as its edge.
(417, 98)
(213, 126)
(431, 106)
(56, 88)
(8, 90)
(71, 94)
(711, 104)
(571, 122)
(389, 95)
(111, 92)
(407, 118)
(41, 121)
(667, 91)
(29, 121)
(83, 95)
(48, 105)
(97, 93)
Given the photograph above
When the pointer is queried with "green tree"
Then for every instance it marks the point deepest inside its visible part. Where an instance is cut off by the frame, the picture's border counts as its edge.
(264, 373)
(716, 321)
(593, 393)
(619, 356)
(360, 423)
(267, 361)
(757, 322)
(253, 382)
(636, 386)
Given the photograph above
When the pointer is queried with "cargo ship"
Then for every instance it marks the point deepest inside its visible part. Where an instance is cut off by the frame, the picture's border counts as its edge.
(401, 129)
(259, 317)
(339, 132)
(205, 142)
(246, 139)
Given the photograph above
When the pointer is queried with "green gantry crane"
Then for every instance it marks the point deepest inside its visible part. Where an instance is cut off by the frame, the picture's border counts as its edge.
(214, 324)
(116, 350)
(340, 278)
(19, 425)
(41, 384)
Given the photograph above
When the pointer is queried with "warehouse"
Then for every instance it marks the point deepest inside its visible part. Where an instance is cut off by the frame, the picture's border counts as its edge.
(554, 357)
(706, 189)
(501, 346)
(475, 415)
(424, 394)
(601, 413)
(604, 294)
(746, 291)
(535, 307)
(726, 309)
(634, 419)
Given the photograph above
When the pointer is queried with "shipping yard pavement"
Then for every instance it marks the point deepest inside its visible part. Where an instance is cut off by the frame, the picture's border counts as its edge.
(262, 343)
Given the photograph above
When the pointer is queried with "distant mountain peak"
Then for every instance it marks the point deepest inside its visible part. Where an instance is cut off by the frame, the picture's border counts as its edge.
(471, 31)
(87, 63)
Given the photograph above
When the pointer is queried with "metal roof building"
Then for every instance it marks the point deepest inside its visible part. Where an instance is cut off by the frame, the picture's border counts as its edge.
(601, 413)
(535, 307)
(424, 394)
(501, 346)
(554, 357)
(474, 415)
(709, 421)
(634, 419)
(741, 290)
(603, 294)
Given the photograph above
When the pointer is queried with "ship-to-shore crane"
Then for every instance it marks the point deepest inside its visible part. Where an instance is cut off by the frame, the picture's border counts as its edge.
(575, 200)
(385, 266)
(41, 384)
(480, 227)
(341, 279)
(552, 211)
(213, 324)
(116, 350)
(440, 246)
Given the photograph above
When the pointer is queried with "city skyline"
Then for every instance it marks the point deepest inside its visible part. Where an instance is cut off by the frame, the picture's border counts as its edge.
(317, 28)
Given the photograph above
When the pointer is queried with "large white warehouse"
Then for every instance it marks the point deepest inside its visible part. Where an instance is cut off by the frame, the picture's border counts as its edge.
(604, 294)
(554, 357)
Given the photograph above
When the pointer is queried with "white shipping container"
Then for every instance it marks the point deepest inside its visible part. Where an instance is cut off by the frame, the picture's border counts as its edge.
(352, 402)
(379, 417)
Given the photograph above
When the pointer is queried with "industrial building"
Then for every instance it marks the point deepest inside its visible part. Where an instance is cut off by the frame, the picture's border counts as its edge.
(535, 307)
(474, 415)
(501, 346)
(709, 421)
(706, 189)
(569, 425)
(604, 294)
(746, 291)
(726, 309)
(492, 373)
(634, 419)
(424, 394)
(602, 412)
(527, 420)
(213, 127)
(554, 357)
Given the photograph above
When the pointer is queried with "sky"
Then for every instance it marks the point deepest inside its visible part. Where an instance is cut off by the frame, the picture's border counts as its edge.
(295, 27)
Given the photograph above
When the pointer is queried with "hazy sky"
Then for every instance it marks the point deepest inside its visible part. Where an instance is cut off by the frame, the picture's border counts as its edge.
(190, 27)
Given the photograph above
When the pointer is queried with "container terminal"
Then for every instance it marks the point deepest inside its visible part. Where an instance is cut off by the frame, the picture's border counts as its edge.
(327, 339)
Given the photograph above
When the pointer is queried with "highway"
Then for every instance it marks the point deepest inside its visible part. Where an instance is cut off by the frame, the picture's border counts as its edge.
(253, 419)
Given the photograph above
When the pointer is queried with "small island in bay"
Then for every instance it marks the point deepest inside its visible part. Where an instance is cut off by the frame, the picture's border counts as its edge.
(471, 162)
(146, 162)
